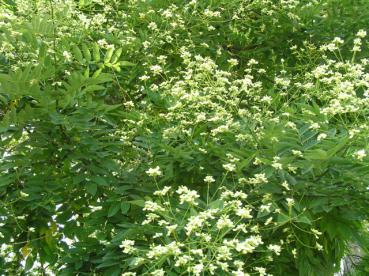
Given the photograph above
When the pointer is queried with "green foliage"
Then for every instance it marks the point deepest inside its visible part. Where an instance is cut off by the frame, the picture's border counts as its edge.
(102, 103)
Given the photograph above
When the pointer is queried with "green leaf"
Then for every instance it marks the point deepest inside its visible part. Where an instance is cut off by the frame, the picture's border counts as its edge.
(114, 208)
(100, 180)
(303, 219)
(282, 218)
(86, 53)
(92, 88)
(77, 54)
(91, 187)
(216, 204)
(6, 180)
(86, 74)
(125, 207)
(126, 63)
(116, 67)
(138, 202)
(113, 271)
(97, 73)
(101, 78)
(29, 263)
(96, 52)
(108, 55)
(116, 55)
(317, 154)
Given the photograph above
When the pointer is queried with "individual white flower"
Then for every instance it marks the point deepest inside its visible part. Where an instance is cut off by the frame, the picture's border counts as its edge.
(223, 265)
(162, 59)
(146, 44)
(314, 126)
(297, 153)
(95, 208)
(224, 253)
(210, 13)
(292, 169)
(152, 26)
(338, 40)
(197, 269)
(158, 272)
(232, 62)
(229, 167)
(153, 207)
(239, 264)
(294, 253)
(276, 164)
(211, 28)
(150, 218)
(127, 246)
(144, 78)
(252, 62)
(316, 232)
(319, 247)
(266, 99)
(154, 171)
(209, 179)
(268, 221)
(102, 43)
(157, 235)
(258, 178)
(156, 69)
(356, 47)
(183, 260)
(257, 161)
(283, 82)
(163, 192)
(360, 154)
(321, 136)
(171, 228)
(261, 270)
(275, 248)
(330, 47)
(194, 223)
(353, 132)
(211, 268)
(244, 213)
(240, 195)
(361, 33)
(239, 273)
(290, 202)
(277, 211)
(23, 194)
(224, 222)
(255, 229)
(174, 248)
(265, 207)
(129, 104)
(197, 252)
(67, 55)
(187, 195)
(285, 185)
(129, 274)
(249, 245)
(159, 250)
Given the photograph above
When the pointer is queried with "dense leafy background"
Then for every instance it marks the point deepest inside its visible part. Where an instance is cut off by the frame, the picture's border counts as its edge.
(83, 115)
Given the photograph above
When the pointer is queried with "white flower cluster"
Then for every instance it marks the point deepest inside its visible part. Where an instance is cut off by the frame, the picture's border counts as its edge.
(203, 240)
(154, 171)
(337, 82)
(186, 195)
